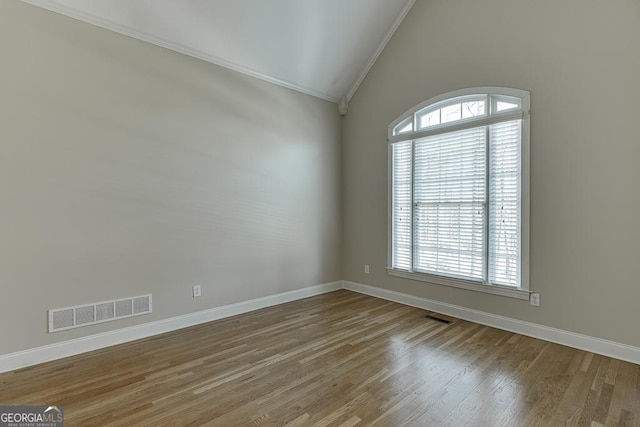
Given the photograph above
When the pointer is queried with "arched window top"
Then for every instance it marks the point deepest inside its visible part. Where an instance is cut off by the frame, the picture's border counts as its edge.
(459, 108)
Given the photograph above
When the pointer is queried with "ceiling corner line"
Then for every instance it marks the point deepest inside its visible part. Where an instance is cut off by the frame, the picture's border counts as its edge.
(74, 13)
(396, 24)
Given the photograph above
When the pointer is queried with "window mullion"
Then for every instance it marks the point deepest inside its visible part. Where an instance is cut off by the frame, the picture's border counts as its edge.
(487, 209)
(413, 205)
(487, 198)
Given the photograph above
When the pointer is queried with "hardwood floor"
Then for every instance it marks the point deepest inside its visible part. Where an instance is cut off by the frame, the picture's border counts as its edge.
(339, 359)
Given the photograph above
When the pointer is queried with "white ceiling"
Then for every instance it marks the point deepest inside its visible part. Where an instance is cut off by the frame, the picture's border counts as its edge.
(320, 47)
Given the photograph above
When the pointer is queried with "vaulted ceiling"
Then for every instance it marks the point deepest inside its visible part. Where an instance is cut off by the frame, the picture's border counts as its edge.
(320, 47)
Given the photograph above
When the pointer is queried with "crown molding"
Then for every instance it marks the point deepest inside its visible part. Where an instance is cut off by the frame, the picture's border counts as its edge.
(53, 6)
(403, 13)
(74, 13)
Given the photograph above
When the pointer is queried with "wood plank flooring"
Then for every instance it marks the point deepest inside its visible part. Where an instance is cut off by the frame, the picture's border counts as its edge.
(339, 359)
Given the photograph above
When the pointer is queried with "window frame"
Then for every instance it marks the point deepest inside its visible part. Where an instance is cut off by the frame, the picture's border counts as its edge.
(436, 102)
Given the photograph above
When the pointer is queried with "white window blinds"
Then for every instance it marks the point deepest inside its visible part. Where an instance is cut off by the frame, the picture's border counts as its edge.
(401, 205)
(505, 203)
(449, 204)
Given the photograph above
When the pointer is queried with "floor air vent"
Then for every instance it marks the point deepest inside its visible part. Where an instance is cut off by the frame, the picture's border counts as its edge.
(438, 319)
(61, 319)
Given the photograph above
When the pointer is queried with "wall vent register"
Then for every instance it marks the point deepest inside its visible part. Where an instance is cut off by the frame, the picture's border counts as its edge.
(61, 319)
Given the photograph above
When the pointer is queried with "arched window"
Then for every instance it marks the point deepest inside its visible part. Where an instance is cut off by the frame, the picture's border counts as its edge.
(459, 191)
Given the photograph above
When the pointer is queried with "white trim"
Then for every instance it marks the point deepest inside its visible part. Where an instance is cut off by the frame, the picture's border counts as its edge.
(559, 336)
(109, 25)
(525, 193)
(21, 359)
(34, 356)
(363, 74)
(53, 6)
(461, 283)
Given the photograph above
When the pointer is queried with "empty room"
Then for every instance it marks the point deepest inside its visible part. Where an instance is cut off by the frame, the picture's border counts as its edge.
(319, 213)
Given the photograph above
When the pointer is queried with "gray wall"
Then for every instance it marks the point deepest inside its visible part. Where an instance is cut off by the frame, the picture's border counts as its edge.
(128, 169)
(581, 61)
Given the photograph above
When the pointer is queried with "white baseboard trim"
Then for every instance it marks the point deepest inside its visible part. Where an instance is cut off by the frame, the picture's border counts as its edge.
(34, 356)
(558, 336)
(21, 359)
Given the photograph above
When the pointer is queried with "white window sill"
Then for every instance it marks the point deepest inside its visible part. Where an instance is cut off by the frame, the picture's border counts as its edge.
(461, 283)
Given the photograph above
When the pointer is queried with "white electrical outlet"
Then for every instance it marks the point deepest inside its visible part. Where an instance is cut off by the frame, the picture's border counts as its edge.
(534, 300)
(366, 268)
(197, 291)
